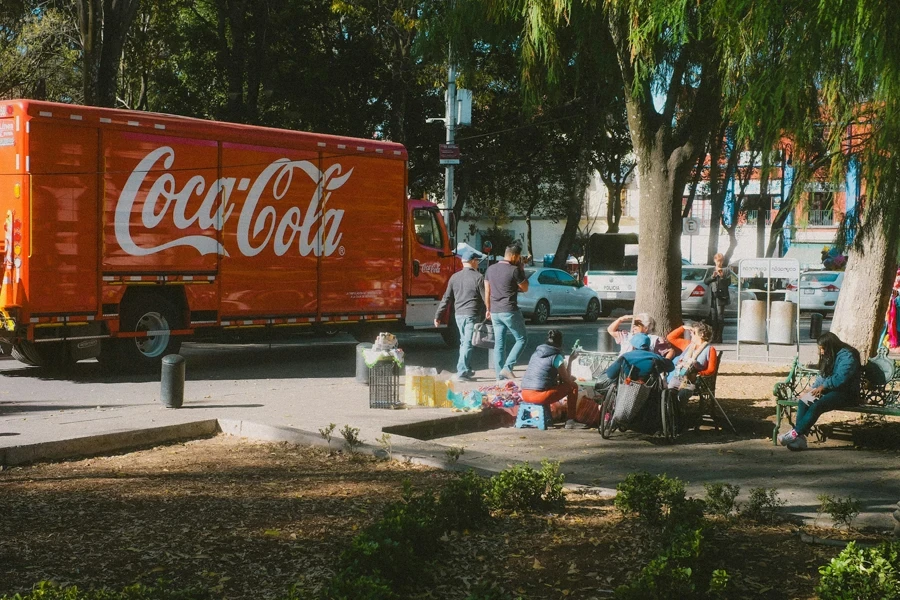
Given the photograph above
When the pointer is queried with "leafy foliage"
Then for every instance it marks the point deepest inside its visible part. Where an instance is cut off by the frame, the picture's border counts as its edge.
(841, 510)
(680, 572)
(521, 488)
(658, 500)
(46, 590)
(462, 503)
(720, 498)
(862, 574)
(763, 505)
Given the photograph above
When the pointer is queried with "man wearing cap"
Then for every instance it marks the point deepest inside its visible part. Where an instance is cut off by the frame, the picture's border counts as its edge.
(466, 291)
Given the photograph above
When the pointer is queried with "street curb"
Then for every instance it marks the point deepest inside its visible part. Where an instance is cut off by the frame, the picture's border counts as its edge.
(94, 445)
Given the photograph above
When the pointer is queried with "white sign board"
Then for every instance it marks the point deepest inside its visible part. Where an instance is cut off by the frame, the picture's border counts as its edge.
(775, 268)
(691, 226)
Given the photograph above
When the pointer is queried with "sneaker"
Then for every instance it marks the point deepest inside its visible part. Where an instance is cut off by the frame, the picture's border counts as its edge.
(573, 424)
(788, 437)
(799, 443)
(506, 373)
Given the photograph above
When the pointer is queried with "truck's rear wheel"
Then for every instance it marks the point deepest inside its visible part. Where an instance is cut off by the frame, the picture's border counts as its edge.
(52, 355)
(147, 313)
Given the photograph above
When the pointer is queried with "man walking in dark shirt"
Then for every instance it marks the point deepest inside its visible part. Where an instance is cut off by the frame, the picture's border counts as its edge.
(465, 291)
(502, 284)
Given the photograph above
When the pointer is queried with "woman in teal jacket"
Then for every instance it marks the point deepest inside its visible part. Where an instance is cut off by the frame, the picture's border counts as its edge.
(836, 386)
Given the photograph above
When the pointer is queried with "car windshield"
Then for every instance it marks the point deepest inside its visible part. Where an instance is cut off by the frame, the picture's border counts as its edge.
(819, 277)
(529, 273)
(693, 274)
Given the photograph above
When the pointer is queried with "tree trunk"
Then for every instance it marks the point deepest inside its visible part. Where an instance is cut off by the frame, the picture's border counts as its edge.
(659, 261)
(103, 26)
(763, 210)
(528, 235)
(613, 207)
(861, 307)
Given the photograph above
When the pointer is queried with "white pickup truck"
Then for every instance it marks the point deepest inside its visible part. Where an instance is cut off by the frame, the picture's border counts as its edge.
(615, 288)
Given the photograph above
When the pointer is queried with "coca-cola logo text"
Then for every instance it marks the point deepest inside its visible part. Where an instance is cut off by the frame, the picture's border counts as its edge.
(258, 225)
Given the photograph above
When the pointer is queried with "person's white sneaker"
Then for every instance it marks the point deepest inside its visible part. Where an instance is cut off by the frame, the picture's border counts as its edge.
(799, 443)
(788, 437)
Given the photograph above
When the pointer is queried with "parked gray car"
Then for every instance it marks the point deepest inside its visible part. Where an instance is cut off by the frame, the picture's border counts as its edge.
(696, 295)
(553, 292)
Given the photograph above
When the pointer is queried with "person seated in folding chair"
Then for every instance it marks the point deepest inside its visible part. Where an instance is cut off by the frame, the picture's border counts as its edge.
(547, 379)
(639, 365)
(698, 357)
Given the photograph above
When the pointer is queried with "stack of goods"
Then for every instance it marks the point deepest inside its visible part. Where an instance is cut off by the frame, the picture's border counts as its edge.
(504, 395)
(384, 348)
(422, 388)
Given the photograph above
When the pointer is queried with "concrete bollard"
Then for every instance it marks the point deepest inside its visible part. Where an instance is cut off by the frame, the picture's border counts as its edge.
(172, 381)
(815, 325)
(362, 370)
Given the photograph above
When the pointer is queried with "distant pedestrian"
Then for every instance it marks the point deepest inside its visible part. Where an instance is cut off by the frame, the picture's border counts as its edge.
(465, 292)
(836, 386)
(502, 284)
(718, 281)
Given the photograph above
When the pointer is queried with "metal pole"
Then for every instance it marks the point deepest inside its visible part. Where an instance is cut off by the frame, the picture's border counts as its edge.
(450, 122)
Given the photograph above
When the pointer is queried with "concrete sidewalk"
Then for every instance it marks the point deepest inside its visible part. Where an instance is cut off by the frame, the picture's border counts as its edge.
(43, 418)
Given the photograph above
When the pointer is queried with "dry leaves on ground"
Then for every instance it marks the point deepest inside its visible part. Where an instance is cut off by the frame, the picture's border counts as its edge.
(248, 519)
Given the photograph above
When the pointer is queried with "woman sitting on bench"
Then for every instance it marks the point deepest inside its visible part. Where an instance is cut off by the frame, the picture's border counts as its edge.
(696, 357)
(836, 386)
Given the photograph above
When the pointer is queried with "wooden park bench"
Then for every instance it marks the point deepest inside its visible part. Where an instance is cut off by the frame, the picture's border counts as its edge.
(879, 391)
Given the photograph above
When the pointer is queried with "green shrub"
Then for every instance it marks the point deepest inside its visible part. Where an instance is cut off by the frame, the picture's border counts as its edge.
(862, 574)
(763, 505)
(720, 498)
(681, 572)
(462, 503)
(658, 500)
(395, 547)
(46, 590)
(841, 510)
(521, 488)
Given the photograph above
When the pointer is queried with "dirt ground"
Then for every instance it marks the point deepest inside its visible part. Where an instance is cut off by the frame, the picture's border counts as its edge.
(247, 520)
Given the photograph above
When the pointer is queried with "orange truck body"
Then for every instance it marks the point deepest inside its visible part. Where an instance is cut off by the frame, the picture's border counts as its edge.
(229, 226)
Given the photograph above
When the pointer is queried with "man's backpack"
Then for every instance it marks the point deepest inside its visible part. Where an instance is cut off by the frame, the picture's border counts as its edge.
(879, 370)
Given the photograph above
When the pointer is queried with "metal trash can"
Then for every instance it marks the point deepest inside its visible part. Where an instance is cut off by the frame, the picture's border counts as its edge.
(384, 384)
(172, 381)
(815, 325)
(606, 342)
(362, 369)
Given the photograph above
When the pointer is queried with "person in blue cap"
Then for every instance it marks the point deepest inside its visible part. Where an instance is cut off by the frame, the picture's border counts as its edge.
(640, 362)
(465, 290)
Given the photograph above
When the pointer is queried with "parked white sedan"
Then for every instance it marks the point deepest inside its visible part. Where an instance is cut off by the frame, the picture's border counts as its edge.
(696, 295)
(553, 292)
(819, 291)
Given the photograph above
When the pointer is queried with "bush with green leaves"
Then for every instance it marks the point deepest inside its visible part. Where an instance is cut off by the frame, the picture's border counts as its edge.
(392, 547)
(462, 503)
(763, 505)
(862, 574)
(658, 500)
(521, 488)
(162, 590)
(680, 572)
(720, 498)
(841, 510)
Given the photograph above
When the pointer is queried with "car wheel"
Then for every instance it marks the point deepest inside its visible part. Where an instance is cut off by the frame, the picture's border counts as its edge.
(593, 311)
(541, 312)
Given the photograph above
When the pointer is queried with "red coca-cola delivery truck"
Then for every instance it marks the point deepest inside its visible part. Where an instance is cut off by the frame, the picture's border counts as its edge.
(126, 232)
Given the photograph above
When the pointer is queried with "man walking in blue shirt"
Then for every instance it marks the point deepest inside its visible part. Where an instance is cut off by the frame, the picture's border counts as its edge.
(502, 284)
